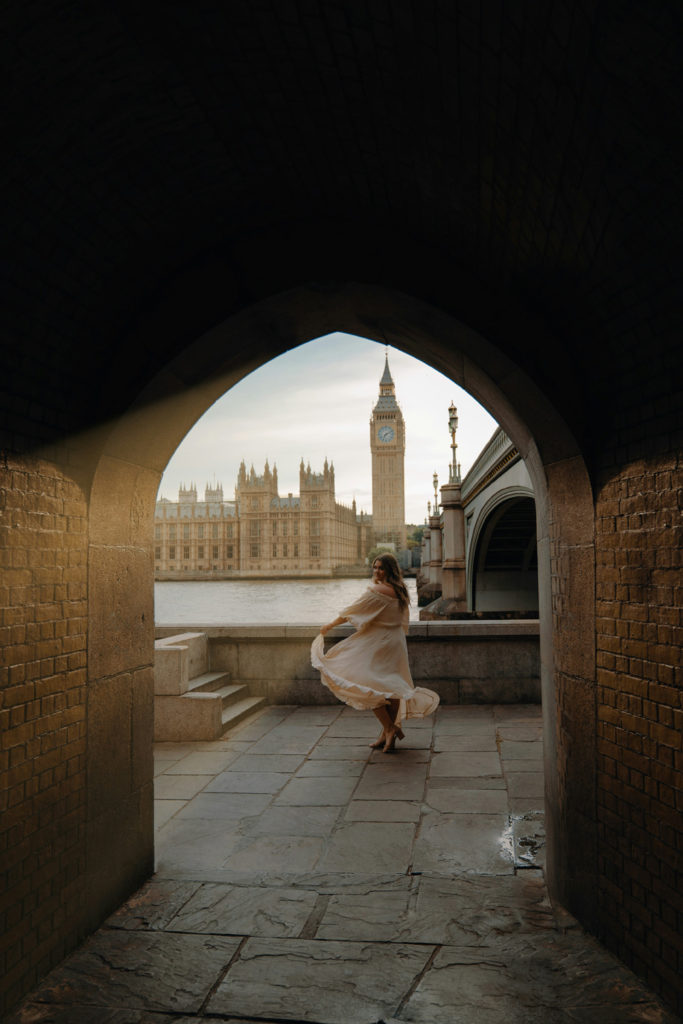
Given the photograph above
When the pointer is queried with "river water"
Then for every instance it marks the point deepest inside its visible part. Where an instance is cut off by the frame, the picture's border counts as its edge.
(238, 602)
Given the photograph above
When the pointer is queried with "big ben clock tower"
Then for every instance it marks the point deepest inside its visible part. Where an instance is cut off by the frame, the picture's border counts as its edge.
(388, 447)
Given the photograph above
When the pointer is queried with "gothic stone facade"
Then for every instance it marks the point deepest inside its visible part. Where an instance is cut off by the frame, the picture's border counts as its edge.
(260, 533)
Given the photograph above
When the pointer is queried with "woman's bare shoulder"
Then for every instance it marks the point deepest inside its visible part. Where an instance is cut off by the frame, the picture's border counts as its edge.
(382, 588)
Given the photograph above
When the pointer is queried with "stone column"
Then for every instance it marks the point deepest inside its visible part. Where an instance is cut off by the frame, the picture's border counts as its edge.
(454, 576)
(422, 579)
(435, 583)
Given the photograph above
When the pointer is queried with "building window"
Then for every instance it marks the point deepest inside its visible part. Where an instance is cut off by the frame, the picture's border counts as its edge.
(254, 528)
(186, 551)
(315, 551)
(274, 550)
(215, 551)
(157, 553)
(285, 527)
(296, 550)
(214, 532)
(171, 553)
(274, 527)
(186, 531)
(200, 531)
(254, 550)
(171, 534)
(284, 551)
(230, 551)
(314, 501)
(295, 528)
(315, 527)
(229, 530)
(157, 533)
(255, 504)
(200, 551)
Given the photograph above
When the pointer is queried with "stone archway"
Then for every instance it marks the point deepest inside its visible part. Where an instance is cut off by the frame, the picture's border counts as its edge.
(134, 453)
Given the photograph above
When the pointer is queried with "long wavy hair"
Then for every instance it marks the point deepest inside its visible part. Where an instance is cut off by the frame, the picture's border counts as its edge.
(394, 577)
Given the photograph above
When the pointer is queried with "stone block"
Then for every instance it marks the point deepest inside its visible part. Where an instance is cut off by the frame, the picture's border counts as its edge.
(109, 759)
(121, 627)
(196, 717)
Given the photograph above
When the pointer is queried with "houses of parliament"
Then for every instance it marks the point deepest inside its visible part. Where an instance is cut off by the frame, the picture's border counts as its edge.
(264, 534)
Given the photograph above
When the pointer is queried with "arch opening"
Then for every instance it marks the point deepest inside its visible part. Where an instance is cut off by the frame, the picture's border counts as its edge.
(137, 448)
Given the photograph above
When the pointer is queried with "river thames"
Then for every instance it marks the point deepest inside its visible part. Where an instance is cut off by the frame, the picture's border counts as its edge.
(237, 602)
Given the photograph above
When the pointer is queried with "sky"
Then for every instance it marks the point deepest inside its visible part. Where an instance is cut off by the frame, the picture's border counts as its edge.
(315, 402)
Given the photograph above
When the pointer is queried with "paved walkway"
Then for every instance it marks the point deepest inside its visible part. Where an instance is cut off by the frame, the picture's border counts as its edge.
(302, 877)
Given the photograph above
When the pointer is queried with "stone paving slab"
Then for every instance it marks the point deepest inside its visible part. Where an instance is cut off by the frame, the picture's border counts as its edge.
(244, 910)
(297, 855)
(292, 820)
(329, 768)
(267, 763)
(473, 801)
(449, 844)
(154, 906)
(383, 810)
(150, 970)
(483, 740)
(519, 765)
(440, 911)
(467, 764)
(164, 810)
(195, 843)
(203, 762)
(368, 846)
(354, 982)
(339, 749)
(317, 792)
(225, 805)
(515, 750)
(179, 787)
(392, 782)
(248, 782)
(540, 978)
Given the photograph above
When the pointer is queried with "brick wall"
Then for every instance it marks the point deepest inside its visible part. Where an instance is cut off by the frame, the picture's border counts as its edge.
(43, 612)
(640, 718)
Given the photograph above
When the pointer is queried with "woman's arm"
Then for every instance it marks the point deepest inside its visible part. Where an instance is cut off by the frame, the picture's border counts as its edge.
(330, 625)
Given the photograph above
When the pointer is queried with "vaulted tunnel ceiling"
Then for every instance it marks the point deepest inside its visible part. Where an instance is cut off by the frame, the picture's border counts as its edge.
(172, 163)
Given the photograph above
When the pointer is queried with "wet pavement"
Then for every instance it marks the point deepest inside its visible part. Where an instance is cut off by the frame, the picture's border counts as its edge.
(303, 877)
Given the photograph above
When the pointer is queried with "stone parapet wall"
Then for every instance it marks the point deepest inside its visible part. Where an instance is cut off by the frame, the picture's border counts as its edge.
(465, 662)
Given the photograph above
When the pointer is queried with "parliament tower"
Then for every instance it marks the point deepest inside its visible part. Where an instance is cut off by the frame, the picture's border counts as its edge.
(388, 446)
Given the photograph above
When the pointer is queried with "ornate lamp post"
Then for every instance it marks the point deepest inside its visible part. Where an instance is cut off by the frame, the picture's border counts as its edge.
(435, 481)
(453, 568)
(454, 468)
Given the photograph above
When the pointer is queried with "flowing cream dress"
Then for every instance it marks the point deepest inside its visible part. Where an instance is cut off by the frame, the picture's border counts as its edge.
(370, 667)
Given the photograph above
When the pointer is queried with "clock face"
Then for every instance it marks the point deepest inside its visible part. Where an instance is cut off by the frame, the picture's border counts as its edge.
(385, 434)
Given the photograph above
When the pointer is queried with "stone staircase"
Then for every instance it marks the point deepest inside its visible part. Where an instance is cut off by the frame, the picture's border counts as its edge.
(191, 702)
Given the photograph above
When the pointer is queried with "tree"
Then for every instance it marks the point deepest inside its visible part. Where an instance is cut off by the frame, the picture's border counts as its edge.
(374, 552)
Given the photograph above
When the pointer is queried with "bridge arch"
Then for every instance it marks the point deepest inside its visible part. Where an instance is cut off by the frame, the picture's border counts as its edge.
(493, 516)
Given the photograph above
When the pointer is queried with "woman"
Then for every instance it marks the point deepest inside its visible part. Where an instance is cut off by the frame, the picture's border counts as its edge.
(369, 669)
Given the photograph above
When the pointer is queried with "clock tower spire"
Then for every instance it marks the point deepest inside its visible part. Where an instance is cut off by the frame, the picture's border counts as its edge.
(388, 446)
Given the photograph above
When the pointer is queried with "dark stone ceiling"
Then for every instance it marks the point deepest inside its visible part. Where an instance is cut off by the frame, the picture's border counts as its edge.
(513, 163)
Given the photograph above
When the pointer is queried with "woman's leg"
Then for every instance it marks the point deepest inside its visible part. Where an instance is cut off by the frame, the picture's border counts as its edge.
(393, 707)
(386, 721)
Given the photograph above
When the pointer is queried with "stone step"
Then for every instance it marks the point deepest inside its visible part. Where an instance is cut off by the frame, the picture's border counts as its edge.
(208, 682)
(234, 713)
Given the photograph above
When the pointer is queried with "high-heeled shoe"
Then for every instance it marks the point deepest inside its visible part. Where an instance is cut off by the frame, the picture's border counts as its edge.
(378, 743)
